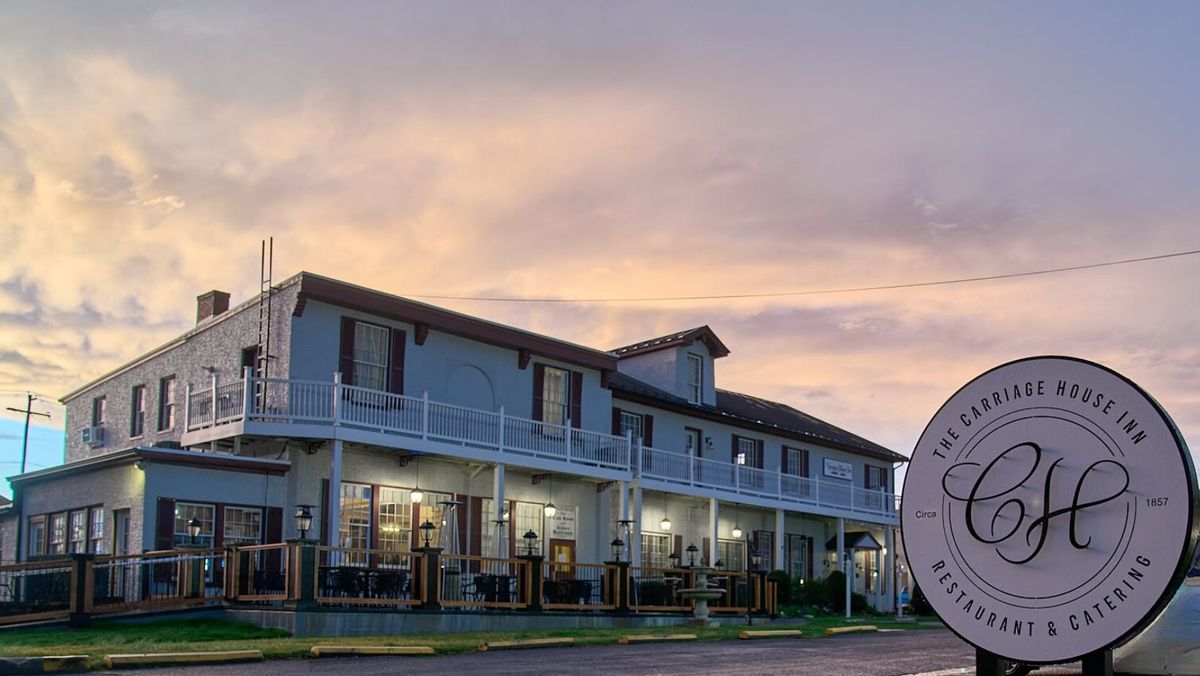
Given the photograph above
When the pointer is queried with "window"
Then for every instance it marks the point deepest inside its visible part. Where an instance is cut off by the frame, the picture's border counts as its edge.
(184, 513)
(58, 534)
(137, 411)
(96, 531)
(875, 478)
(691, 441)
(493, 540)
(764, 542)
(78, 525)
(695, 378)
(795, 461)
(748, 451)
(98, 411)
(395, 523)
(656, 550)
(372, 357)
(166, 403)
(556, 395)
(631, 423)
(797, 555)
(243, 526)
(37, 535)
(528, 518)
(354, 529)
(732, 554)
(433, 511)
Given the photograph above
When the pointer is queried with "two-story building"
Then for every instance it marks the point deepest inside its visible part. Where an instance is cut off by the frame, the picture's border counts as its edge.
(382, 414)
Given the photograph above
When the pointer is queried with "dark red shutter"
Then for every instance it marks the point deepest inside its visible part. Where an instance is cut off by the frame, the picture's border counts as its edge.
(396, 363)
(539, 393)
(804, 462)
(867, 476)
(218, 525)
(883, 480)
(274, 525)
(616, 422)
(164, 528)
(678, 549)
(346, 351)
(512, 528)
(576, 399)
(808, 564)
(783, 459)
(464, 504)
(733, 449)
(373, 519)
(648, 430)
(761, 454)
(704, 552)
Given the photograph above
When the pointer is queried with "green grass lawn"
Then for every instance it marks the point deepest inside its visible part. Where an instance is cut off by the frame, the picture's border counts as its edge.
(107, 638)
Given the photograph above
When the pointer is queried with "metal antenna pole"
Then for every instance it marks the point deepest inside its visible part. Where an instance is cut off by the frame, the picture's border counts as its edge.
(28, 411)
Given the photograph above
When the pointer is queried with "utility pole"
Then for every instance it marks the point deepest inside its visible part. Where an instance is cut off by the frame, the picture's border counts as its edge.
(28, 411)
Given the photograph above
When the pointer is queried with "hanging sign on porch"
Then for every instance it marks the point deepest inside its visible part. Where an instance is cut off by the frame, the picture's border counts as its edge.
(1049, 510)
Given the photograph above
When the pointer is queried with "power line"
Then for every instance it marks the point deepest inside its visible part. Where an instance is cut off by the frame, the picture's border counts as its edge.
(809, 292)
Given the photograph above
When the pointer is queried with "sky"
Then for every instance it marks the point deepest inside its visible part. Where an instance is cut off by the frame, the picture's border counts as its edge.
(611, 150)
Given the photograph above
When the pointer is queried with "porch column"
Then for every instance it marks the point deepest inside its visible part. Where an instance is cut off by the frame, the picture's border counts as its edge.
(334, 499)
(624, 506)
(840, 558)
(889, 538)
(714, 513)
(499, 503)
(635, 547)
(780, 548)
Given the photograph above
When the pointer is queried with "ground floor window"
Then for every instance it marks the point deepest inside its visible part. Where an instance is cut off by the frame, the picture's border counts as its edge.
(395, 523)
(184, 513)
(656, 550)
(243, 526)
(528, 518)
(493, 536)
(78, 529)
(354, 529)
(37, 535)
(58, 534)
(731, 554)
(96, 531)
(797, 555)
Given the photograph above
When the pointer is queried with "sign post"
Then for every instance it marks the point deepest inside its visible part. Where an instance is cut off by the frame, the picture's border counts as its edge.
(1049, 513)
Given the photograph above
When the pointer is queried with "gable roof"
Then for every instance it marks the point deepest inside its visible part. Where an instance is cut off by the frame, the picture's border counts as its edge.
(734, 408)
(701, 333)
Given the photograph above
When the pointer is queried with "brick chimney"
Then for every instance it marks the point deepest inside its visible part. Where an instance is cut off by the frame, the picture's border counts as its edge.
(211, 304)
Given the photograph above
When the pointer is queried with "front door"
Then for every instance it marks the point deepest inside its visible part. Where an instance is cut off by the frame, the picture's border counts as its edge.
(562, 553)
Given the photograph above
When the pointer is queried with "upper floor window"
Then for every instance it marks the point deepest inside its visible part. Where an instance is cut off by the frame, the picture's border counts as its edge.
(695, 378)
(795, 461)
(639, 425)
(556, 395)
(137, 411)
(372, 356)
(98, 405)
(748, 451)
(875, 478)
(166, 403)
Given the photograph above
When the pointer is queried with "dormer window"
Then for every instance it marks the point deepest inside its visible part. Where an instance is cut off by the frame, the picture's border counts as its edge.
(695, 378)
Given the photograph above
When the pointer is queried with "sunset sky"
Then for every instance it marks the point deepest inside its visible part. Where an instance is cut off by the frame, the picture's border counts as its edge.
(614, 150)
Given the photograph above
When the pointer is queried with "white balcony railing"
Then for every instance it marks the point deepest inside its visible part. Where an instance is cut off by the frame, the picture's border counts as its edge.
(307, 402)
(678, 468)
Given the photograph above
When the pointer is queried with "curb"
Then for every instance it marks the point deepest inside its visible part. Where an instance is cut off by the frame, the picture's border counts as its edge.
(41, 665)
(834, 631)
(653, 638)
(167, 659)
(336, 650)
(771, 633)
(528, 643)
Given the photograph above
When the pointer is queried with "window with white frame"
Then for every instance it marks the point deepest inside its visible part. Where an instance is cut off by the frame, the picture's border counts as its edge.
(371, 347)
(797, 553)
(205, 514)
(166, 403)
(632, 423)
(695, 378)
(395, 523)
(749, 452)
(354, 527)
(37, 535)
(433, 510)
(493, 540)
(98, 406)
(78, 531)
(732, 554)
(556, 395)
(764, 542)
(243, 526)
(656, 550)
(795, 461)
(96, 531)
(529, 518)
(58, 534)
(137, 411)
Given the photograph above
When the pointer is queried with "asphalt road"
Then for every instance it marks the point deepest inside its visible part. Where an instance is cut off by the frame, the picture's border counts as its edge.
(882, 654)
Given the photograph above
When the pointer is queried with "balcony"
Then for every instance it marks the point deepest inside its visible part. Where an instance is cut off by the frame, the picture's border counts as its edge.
(330, 410)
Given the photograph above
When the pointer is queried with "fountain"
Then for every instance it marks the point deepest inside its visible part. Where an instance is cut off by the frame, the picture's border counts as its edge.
(701, 593)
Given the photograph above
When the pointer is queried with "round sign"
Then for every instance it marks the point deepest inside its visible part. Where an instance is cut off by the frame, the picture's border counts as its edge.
(1049, 510)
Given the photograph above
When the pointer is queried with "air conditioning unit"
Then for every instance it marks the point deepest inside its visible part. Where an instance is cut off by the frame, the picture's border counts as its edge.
(93, 436)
